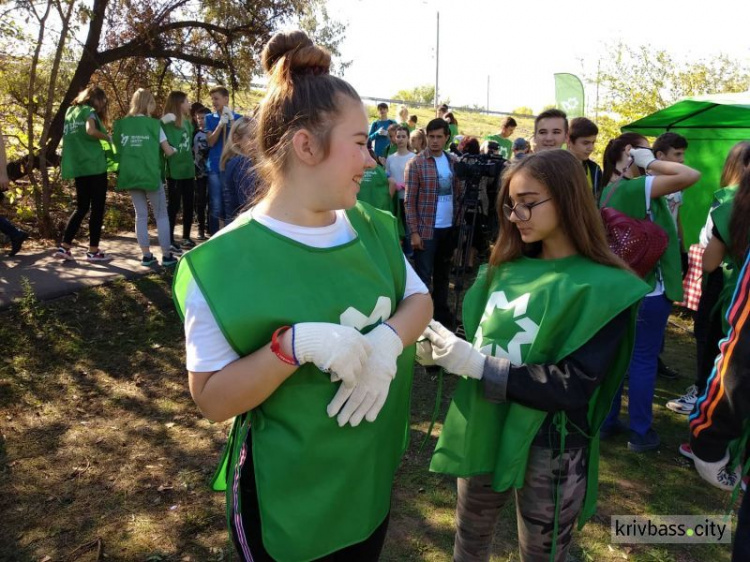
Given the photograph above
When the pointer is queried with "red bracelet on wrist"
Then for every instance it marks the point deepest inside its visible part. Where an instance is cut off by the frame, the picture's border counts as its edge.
(276, 347)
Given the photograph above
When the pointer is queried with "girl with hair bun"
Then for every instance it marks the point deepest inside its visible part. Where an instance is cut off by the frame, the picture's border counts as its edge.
(305, 336)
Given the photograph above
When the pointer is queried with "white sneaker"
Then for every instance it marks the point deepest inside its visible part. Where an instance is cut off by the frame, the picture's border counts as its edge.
(684, 404)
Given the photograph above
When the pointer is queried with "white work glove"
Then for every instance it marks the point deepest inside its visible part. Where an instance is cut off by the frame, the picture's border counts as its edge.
(382, 132)
(642, 157)
(339, 350)
(452, 353)
(424, 351)
(168, 118)
(228, 112)
(718, 473)
(223, 120)
(367, 398)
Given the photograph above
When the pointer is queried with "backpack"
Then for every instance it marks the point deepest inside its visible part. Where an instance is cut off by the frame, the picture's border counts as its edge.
(638, 242)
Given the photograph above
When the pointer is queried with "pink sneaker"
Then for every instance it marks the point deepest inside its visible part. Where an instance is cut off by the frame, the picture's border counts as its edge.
(63, 254)
(686, 451)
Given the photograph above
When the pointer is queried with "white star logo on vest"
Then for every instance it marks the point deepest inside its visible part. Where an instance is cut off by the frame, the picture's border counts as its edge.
(355, 319)
(525, 336)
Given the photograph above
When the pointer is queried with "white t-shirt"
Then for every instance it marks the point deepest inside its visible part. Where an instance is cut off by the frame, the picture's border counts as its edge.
(659, 287)
(395, 167)
(207, 349)
(444, 213)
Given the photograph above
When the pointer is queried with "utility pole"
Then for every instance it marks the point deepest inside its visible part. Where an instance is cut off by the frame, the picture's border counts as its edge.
(437, 62)
(488, 94)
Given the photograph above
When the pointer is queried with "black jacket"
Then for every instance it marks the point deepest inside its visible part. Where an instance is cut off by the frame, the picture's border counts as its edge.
(725, 405)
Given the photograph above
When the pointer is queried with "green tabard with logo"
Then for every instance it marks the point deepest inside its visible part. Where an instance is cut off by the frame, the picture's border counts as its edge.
(82, 154)
(532, 311)
(374, 189)
(180, 166)
(721, 216)
(630, 198)
(505, 146)
(321, 487)
(138, 153)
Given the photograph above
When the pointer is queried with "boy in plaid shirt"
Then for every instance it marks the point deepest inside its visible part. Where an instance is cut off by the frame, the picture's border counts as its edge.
(432, 190)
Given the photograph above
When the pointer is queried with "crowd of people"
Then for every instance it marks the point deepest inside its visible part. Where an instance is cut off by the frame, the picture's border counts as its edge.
(342, 236)
(184, 157)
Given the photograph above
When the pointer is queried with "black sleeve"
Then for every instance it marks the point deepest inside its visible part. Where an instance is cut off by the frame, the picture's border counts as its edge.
(725, 404)
(551, 387)
(715, 233)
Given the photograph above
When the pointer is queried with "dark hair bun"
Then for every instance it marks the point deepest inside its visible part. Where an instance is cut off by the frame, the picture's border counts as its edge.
(303, 54)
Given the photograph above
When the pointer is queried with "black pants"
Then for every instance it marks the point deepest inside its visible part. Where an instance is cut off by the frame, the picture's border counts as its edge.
(708, 329)
(201, 203)
(180, 190)
(433, 265)
(365, 551)
(91, 193)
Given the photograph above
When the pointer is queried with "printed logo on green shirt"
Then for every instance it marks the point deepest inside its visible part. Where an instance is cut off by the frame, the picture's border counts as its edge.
(135, 141)
(355, 319)
(511, 320)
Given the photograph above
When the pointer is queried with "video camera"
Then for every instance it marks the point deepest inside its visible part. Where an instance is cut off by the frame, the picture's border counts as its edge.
(474, 167)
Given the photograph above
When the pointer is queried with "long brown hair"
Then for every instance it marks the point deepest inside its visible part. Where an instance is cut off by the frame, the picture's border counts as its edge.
(613, 153)
(739, 223)
(563, 175)
(96, 98)
(301, 95)
(737, 161)
(173, 105)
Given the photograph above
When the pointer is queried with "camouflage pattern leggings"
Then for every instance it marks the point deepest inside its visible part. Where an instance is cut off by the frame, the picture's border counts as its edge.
(479, 507)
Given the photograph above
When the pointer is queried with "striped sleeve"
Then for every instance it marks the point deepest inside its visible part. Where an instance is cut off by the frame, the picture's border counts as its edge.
(725, 405)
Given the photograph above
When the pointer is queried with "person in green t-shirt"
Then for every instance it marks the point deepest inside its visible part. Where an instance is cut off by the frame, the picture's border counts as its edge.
(411, 124)
(453, 127)
(300, 319)
(628, 190)
(180, 167)
(551, 321)
(84, 161)
(140, 141)
(504, 145)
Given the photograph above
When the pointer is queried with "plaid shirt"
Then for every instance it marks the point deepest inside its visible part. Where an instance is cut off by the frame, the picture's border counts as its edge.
(422, 193)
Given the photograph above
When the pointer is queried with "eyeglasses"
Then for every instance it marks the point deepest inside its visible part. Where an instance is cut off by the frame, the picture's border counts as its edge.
(522, 210)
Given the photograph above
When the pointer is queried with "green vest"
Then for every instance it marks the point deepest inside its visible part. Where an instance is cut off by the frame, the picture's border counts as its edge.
(82, 155)
(505, 146)
(373, 189)
(320, 487)
(721, 216)
(630, 198)
(138, 152)
(725, 194)
(180, 166)
(532, 311)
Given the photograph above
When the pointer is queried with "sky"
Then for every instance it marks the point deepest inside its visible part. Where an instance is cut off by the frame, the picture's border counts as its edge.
(520, 45)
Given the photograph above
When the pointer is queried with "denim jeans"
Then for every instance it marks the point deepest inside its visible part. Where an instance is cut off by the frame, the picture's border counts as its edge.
(215, 201)
(433, 265)
(649, 335)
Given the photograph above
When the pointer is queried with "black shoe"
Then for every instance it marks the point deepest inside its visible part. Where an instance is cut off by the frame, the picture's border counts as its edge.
(17, 242)
(666, 372)
(642, 443)
(201, 235)
(609, 431)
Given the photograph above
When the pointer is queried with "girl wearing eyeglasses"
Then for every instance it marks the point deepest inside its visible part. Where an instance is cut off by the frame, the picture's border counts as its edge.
(551, 318)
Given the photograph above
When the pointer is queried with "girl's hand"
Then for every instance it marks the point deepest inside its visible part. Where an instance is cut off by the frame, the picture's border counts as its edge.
(452, 353)
(368, 397)
(339, 350)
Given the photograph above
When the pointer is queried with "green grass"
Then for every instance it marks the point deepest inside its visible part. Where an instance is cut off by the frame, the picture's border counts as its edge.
(100, 440)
